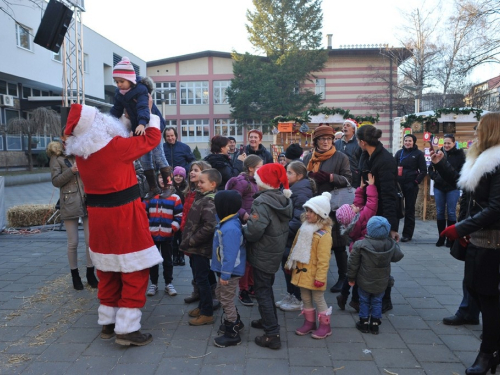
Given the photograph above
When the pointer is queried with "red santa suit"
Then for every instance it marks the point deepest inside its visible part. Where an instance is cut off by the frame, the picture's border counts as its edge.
(121, 246)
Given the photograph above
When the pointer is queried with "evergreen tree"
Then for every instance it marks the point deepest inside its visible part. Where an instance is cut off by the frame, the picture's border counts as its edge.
(197, 153)
(289, 33)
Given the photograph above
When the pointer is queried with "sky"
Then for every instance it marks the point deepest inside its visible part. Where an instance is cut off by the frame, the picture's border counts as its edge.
(157, 29)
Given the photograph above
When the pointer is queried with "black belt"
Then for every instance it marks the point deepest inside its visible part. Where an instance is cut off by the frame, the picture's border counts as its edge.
(116, 199)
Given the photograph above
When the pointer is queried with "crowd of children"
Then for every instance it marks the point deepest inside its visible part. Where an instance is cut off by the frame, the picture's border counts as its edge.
(267, 216)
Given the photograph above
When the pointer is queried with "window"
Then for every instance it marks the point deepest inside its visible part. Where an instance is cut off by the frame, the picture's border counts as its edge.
(228, 128)
(165, 91)
(23, 37)
(86, 63)
(26, 92)
(12, 89)
(220, 88)
(266, 137)
(321, 87)
(194, 92)
(3, 87)
(11, 114)
(57, 56)
(36, 92)
(13, 142)
(195, 131)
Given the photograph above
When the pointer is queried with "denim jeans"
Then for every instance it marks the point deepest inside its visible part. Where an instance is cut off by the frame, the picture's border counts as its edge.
(370, 304)
(468, 309)
(449, 200)
(165, 248)
(201, 270)
(159, 158)
(263, 286)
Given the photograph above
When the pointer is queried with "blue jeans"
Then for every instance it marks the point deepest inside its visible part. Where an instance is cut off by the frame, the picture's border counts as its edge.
(159, 158)
(468, 310)
(449, 200)
(370, 304)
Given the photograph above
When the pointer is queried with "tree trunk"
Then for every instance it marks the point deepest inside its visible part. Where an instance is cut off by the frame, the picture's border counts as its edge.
(30, 157)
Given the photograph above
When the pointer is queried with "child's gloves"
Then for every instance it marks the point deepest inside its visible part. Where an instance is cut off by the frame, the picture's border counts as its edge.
(320, 176)
(318, 284)
(450, 233)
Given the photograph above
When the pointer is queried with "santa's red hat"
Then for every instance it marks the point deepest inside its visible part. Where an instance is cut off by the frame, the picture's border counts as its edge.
(273, 176)
(80, 119)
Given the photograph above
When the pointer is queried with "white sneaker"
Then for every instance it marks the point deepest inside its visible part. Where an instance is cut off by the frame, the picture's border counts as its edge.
(170, 290)
(293, 305)
(285, 300)
(152, 290)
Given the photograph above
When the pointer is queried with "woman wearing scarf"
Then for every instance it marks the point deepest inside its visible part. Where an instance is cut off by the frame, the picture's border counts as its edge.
(330, 169)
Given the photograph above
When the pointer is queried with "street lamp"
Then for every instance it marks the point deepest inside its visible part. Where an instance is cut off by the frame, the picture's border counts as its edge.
(416, 90)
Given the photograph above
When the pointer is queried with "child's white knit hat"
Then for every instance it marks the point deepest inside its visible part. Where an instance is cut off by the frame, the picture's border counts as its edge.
(320, 204)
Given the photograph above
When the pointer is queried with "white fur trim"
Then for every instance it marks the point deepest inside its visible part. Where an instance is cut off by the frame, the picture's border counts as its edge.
(475, 168)
(131, 262)
(301, 252)
(154, 122)
(127, 320)
(262, 184)
(86, 119)
(287, 193)
(107, 315)
(126, 122)
(103, 130)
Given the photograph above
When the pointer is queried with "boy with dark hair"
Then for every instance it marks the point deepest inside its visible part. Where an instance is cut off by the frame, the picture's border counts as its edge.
(197, 240)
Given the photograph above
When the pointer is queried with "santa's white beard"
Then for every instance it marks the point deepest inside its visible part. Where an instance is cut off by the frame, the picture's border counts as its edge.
(103, 130)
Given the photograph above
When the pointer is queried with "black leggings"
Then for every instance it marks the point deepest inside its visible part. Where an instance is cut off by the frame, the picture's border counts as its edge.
(490, 309)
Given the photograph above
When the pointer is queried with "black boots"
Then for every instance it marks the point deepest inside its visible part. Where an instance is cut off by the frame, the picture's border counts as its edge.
(441, 224)
(231, 335)
(269, 341)
(135, 338)
(153, 186)
(483, 363)
(374, 323)
(363, 325)
(386, 300)
(108, 331)
(91, 279)
(341, 259)
(77, 281)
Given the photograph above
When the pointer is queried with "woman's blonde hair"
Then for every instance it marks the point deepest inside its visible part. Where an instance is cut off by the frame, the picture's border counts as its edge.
(200, 164)
(326, 223)
(488, 134)
(54, 149)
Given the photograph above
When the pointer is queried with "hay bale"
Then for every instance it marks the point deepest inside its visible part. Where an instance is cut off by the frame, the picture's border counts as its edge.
(27, 215)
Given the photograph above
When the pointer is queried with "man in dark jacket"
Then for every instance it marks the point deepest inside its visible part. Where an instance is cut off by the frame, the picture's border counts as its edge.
(255, 146)
(348, 145)
(266, 233)
(178, 154)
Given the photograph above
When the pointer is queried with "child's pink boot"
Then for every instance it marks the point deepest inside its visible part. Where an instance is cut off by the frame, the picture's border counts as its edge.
(324, 329)
(309, 322)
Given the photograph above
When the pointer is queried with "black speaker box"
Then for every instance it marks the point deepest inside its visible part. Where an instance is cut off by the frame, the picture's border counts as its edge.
(54, 25)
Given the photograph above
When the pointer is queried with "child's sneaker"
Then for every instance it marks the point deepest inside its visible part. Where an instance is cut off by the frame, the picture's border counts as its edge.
(293, 305)
(245, 298)
(285, 300)
(170, 290)
(152, 290)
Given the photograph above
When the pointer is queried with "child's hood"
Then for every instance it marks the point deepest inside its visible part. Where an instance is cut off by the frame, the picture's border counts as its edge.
(148, 82)
(277, 201)
(378, 248)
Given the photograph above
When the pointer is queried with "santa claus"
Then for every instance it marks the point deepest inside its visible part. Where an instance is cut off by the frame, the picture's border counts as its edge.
(120, 243)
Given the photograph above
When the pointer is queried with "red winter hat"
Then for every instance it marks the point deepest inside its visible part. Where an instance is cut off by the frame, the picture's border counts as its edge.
(124, 69)
(80, 119)
(352, 122)
(273, 176)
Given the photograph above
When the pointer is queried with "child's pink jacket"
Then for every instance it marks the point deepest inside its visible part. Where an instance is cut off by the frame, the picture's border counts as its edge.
(369, 209)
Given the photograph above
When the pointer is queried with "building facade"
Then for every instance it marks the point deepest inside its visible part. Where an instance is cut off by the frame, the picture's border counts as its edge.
(32, 76)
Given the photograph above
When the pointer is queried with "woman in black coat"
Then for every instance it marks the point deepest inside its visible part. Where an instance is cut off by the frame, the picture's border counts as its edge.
(220, 160)
(411, 171)
(376, 160)
(480, 230)
(446, 195)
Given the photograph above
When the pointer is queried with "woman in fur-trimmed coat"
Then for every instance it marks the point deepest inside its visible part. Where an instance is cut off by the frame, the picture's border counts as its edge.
(480, 230)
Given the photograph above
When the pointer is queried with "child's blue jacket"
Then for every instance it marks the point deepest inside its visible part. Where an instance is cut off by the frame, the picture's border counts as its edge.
(229, 253)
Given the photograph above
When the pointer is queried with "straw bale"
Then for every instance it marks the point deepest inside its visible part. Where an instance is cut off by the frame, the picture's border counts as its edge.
(27, 215)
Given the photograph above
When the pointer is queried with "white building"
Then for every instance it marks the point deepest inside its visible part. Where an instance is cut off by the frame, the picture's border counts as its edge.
(32, 76)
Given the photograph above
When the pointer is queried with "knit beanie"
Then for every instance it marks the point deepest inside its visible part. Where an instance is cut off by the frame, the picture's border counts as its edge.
(378, 227)
(273, 176)
(227, 202)
(323, 130)
(124, 69)
(320, 204)
(345, 214)
(294, 151)
(179, 171)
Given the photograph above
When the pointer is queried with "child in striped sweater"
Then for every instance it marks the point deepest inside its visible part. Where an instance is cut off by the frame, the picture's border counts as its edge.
(165, 215)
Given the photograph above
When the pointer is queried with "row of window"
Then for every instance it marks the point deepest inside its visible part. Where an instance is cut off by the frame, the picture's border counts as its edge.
(196, 92)
(19, 143)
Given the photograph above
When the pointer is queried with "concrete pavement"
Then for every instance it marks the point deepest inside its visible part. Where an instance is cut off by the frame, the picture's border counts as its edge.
(48, 327)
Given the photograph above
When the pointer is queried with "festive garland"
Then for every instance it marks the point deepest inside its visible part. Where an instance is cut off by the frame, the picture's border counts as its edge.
(459, 111)
(306, 116)
(410, 119)
(295, 119)
(373, 120)
(329, 111)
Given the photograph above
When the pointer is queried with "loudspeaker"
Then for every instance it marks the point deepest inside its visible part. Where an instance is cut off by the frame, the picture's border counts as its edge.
(54, 25)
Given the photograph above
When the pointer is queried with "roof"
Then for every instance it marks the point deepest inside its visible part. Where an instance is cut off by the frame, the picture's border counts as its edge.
(190, 56)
